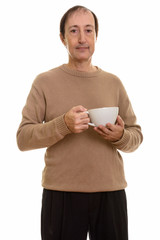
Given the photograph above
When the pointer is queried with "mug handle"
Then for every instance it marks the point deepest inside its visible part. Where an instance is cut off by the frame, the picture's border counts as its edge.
(90, 124)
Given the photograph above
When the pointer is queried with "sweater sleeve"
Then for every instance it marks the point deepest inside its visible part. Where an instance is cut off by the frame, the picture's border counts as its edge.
(34, 132)
(132, 135)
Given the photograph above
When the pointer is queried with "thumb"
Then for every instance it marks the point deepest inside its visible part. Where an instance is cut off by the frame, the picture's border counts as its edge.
(120, 122)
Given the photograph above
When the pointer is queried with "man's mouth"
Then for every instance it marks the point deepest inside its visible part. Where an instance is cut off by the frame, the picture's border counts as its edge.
(82, 47)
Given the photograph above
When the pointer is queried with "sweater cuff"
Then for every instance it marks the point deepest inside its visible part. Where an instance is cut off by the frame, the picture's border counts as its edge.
(61, 126)
(120, 144)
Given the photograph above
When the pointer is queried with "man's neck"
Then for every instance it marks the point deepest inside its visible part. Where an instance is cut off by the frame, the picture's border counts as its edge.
(82, 66)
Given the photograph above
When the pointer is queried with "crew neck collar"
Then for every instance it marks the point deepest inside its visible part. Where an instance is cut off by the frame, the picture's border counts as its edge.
(77, 73)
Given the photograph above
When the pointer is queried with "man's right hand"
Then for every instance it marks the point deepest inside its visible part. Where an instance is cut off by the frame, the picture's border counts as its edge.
(77, 119)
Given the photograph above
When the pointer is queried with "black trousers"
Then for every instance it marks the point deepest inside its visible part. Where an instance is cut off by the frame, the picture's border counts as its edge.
(71, 215)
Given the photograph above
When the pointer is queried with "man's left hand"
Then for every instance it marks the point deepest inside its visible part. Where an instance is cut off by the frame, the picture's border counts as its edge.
(111, 132)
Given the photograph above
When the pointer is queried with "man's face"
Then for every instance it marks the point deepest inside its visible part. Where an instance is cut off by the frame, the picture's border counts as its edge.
(80, 36)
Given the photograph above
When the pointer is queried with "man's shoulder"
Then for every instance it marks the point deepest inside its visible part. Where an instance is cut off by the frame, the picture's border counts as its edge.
(111, 76)
(48, 75)
(50, 72)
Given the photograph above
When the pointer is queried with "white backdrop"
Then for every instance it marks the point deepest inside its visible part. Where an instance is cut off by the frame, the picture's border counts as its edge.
(128, 46)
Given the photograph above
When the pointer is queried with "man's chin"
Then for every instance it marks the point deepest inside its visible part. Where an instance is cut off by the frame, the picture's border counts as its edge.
(83, 58)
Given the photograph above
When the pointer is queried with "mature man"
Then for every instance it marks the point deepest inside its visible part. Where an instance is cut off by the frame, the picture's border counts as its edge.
(83, 178)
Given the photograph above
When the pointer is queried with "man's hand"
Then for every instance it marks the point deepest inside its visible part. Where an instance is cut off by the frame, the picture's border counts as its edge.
(111, 132)
(77, 119)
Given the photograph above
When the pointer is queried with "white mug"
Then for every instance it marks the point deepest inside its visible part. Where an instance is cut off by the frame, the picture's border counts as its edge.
(102, 116)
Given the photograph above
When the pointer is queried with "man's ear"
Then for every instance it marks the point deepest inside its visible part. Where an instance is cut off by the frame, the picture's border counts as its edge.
(62, 39)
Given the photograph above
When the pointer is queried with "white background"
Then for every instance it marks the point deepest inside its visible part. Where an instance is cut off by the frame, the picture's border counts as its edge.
(128, 46)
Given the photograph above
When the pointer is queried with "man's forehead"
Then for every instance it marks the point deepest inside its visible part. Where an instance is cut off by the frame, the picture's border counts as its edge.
(84, 18)
(76, 26)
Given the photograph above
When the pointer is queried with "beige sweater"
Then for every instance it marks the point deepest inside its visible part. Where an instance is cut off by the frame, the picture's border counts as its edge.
(83, 162)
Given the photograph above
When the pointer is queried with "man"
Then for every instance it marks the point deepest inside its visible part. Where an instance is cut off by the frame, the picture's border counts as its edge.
(83, 178)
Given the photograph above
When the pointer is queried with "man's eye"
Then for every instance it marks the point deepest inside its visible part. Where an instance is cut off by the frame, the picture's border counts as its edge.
(73, 31)
(88, 30)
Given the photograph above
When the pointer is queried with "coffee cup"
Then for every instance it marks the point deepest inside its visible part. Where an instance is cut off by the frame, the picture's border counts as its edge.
(102, 116)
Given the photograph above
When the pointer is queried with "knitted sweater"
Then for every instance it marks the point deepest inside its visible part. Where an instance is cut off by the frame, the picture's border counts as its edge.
(81, 162)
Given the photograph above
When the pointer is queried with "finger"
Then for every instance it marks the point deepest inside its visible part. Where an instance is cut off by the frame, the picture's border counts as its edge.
(81, 118)
(110, 126)
(120, 121)
(99, 131)
(82, 127)
(104, 130)
(79, 108)
(84, 121)
(102, 134)
(83, 115)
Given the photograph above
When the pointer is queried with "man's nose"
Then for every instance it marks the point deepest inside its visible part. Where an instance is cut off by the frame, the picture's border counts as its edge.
(82, 38)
